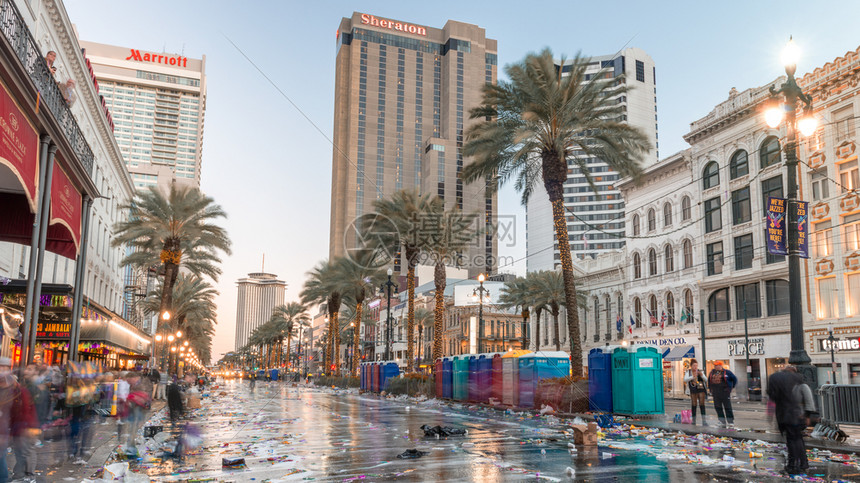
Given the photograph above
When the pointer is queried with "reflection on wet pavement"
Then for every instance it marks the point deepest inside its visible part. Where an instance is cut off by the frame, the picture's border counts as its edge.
(287, 433)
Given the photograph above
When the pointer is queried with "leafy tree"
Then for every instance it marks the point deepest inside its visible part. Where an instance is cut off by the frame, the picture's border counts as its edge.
(322, 287)
(357, 277)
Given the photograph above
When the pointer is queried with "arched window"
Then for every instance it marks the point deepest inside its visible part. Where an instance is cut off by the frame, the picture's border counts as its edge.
(652, 309)
(670, 309)
(596, 313)
(718, 306)
(689, 311)
(637, 312)
(670, 259)
(686, 209)
(688, 254)
(667, 214)
(769, 151)
(637, 266)
(635, 225)
(652, 220)
(739, 165)
(652, 262)
(711, 175)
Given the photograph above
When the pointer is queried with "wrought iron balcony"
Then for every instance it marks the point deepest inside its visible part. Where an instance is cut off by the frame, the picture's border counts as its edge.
(33, 61)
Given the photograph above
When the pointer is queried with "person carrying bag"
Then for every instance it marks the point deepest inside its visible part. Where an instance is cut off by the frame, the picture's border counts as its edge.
(697, 387)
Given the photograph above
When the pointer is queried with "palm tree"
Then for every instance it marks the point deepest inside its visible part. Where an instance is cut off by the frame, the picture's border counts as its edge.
(405, 210)
(450, 232)
(424, 320)
(357, 277)
(551, 290)
(292, 316)
(534, 126)
(322, 287)
(518, 294)
(175, 231)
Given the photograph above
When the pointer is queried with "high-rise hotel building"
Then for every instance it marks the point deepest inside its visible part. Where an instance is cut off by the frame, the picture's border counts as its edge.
(157, 102)
(259, 293)
(595, 221)
(402, 98)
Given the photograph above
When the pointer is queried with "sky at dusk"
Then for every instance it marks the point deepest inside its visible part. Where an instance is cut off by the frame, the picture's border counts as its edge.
(269, 164)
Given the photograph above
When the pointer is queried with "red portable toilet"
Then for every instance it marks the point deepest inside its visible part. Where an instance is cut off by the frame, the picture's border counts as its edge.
(437, 375)
(496, 387)
(374, 374)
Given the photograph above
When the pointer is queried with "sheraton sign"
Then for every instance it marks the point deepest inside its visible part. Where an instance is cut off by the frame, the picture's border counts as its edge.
(176, 60)
(393, 25)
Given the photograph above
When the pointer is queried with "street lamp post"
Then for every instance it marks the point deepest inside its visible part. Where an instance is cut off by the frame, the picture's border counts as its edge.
(480, 292)
(832, 340)
(387, 286)
(791, 93)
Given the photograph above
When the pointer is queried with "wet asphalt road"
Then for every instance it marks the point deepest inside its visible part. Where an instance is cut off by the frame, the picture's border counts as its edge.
(289, 433)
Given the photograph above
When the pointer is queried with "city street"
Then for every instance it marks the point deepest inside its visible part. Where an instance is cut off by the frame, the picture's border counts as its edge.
(289, 433)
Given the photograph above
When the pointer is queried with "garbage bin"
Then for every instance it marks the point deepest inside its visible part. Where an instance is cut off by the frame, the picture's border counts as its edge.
(437, 377)
(447, 377)
(496, 379)
(460, 388)
(536, 366)
(510, 377)
(389, 369)
(473, 378)
(600, 379)
(637, 380)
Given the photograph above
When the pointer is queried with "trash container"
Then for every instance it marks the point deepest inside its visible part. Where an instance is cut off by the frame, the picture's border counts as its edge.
(536, 366)
(473, 378)
(460, 389)
(510, 377)
(447, 377)
(389, 369)
(437, 377)
(637, 380)
(600, 379)
(496, 378)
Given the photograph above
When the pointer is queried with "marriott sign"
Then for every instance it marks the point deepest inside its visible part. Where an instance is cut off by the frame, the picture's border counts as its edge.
(177, 60)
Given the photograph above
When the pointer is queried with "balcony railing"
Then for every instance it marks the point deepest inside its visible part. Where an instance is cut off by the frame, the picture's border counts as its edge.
(33, 60)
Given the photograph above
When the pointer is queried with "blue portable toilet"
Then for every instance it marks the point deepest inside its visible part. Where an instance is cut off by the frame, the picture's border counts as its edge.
(273, 373)
(485, 375)
(536, 366)
(637, 380)
(389, 369)
(447, 378)
(460, 384)
(473, 377)
(361, 373)
(600, 379)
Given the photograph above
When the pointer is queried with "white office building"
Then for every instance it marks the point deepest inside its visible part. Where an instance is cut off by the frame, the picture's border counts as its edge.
(258, 294)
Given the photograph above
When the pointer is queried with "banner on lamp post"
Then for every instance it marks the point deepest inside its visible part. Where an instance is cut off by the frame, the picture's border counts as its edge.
(776, 226)
(802, 228)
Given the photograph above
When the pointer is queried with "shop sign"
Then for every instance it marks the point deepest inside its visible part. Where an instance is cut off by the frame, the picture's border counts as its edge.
(392, 25)
(19, 146)
(664, 341)
(756, 347)
(852, 344)
(53, 330)
(177, 61)
(19, 300)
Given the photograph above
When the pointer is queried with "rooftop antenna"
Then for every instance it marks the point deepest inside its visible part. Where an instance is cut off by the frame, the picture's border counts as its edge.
(263, 269)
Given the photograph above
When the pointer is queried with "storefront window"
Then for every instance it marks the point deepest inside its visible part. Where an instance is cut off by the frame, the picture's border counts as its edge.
(854, 373)
(825, 373)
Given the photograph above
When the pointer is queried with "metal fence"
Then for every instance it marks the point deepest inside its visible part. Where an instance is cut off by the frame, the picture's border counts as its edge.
(840, 403)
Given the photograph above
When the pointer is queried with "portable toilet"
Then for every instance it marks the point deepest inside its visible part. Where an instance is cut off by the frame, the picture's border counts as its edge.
(273, 373)
(600, 379)
(389, 370)
(460, 381)
(510, 379)
(437, 378)
(639, 367)
(374, 374)
(363, 371)
(485, 375)
(536, 366)
(496, 378)
(473, 378)
(447, 375)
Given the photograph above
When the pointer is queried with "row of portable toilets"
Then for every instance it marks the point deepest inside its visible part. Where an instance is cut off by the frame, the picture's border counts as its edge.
(620, 379)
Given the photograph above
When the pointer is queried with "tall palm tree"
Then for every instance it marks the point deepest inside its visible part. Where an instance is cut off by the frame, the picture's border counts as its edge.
(551, 290)
(517, 294)
(357, 277)
(293, 316)
(424, 320)
(322, 287)
(405, 209)
(175, 230)
(534, 127)
(450, 233)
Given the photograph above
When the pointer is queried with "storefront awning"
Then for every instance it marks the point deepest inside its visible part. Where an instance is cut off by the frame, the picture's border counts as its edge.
(679, 352)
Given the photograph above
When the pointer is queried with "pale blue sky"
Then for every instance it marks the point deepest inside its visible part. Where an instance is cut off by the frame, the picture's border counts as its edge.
(271, 169)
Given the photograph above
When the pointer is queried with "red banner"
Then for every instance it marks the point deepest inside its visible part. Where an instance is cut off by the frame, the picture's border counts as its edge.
(66, 205)
(19, 146)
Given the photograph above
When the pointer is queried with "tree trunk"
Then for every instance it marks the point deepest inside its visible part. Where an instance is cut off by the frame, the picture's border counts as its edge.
(289, 341)
(525, 326)
(335, 338)
(171, 254)
(555, 174)
(555, 338)
(537, 328)
(420, 331)
(355, 334)
(439, 309)
(410, 312)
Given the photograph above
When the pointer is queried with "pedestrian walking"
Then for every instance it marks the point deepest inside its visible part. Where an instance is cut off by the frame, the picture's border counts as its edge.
(138, 403)
(721, 382)
(697, 385)
(81, 394)
(24, 431)
(155, 379)
(174, 401)
(782, 389)
(252, 379)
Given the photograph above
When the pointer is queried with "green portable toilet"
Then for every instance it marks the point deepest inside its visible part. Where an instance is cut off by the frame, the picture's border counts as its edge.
(461, 377)
(637, 380)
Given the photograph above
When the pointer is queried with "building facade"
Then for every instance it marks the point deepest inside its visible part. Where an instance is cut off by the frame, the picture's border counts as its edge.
(407, 135)
(258, 294)
(157, 102)
(596, 220)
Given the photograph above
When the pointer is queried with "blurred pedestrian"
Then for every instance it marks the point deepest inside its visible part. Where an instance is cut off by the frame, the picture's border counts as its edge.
(697, 386)
(7, 396)
(138, 402)
(174, 401)
(154, 378)
(721, 382)
(81, 394)
(23, 424)
(782, 390)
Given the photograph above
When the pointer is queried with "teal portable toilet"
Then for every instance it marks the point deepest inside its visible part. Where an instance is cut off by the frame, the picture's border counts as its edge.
(536, 366)
(461, 377)
(637, 380)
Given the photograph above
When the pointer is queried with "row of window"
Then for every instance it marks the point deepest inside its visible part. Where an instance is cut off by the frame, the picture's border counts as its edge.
(686, 214)
(668, 257)
(666, 316)
(739, 163)
(748, 301)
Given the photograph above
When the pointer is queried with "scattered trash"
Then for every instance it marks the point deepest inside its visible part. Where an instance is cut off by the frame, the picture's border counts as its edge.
(443, 431)
(411, 454)
(151, 431)
(233, 463)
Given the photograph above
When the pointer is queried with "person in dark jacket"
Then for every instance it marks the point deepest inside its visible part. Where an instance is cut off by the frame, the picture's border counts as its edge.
(721, 382)
(174, 401)
(789, 416)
